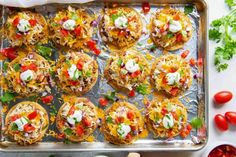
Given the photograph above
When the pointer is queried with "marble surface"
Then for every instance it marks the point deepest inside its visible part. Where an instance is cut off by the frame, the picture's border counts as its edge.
(217, 81)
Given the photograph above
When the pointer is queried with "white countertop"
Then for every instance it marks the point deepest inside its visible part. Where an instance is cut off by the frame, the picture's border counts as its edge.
(218, 81)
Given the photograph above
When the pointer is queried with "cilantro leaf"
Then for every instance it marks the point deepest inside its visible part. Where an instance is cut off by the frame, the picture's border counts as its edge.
(68, 131)
(142, 89)
(5, 66)
(196, 123)
(16, 67)
(214, 34)
(119, 62)
(110, 97)
(188, 9)
(14, 127)
(230, 3)
(109, 120)
(7, 97)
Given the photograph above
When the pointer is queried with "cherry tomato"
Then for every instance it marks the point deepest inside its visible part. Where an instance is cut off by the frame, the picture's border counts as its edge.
(47, 99)
(189, 127)
(185, 54)
(221, 122)
(32, 22)
(146, 7)
(130, 115)
(9, 53)
(136, 74)
(103, 101)
(86, 122)
(231, 117)
(64, 32)
(16, 21)
(79, 65)
(119, 120)
(192, 62)
(164, 111)
(78, 30)
(179, 37)
(79, 130)
(33, 67)
(131, 93)
(72, 110)
(28, 128)
(32, 115)
(223, 97)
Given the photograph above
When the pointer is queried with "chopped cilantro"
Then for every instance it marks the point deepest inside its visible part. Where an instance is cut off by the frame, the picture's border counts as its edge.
(188, 9)
(7, 97)
(196, 123)
(33, 98)
(14, 127)
(115, 16)
(142, 89)
(169, 35)
(230, 3)
(68, 62)
(74, 16)
(88, 74)
(28, 78)
(68, 131)
(53, 111)
(5, 66)
(16, 67)
(119, 62)
(45, 51)
(111, 97)
(67, 141)
(109, 120)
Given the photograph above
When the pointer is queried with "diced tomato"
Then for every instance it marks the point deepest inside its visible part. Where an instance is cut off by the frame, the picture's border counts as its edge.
(97, 51)
(64, 19)
(28, 128)
(16, 21)
(92, 46)
(174, 115)
(33, 67)
(176, 17)
(15, 117)
(133, 127)
(113, 12)
(47, 99)
(179, 37)
(18, 36)
(192, 62)
(122, 33)
(130, 115)
(189, 127)
(164, 80)
(103, 101)
(9, 53)
(132, 93)
(136, 74)
(24, 68)
(185, 54)
(128, 137)
(64, 32)
(79, 130)
(86, 122)
(32, 22)
(172, 69)
(61, 136)
(18, 80)
(119, 120)
(164, 111)
(174, 91)
(78, 30)
(72, 110)
(66, 73)
(184, 133)
(164, 28)
(145, 7)
(80, 64)
(131, 18)
(32, 115)
(73, 83)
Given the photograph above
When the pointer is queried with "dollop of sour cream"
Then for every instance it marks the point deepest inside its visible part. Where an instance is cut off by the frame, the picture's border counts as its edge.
(175, 26)
(76, 117)
(20, 123)
(23, 25)
(27, 75)
(121, 22)
(123, 130)
(173, 78)
(69, 24)
(131, 66)
(168, 121)
(73, 72)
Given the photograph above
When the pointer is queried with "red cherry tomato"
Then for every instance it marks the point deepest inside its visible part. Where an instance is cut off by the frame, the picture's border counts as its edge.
(103, 101)
(79, 65)
(145, 7)
(185, 54)
(221, 122)
(79, 130)
(179, 37)
(28, 128)
(9, 52)
(32, 22)
(130, 115)
(223, 97)
(16, 21)
(47, 99)
(231, 117)
(132, 93)
(32, 115)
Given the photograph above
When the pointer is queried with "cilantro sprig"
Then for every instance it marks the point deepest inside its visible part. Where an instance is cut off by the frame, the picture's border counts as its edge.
(223, 32)
(7, 97)
(230, 3)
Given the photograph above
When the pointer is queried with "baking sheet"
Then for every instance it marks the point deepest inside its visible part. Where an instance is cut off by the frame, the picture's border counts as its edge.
(196, 94)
